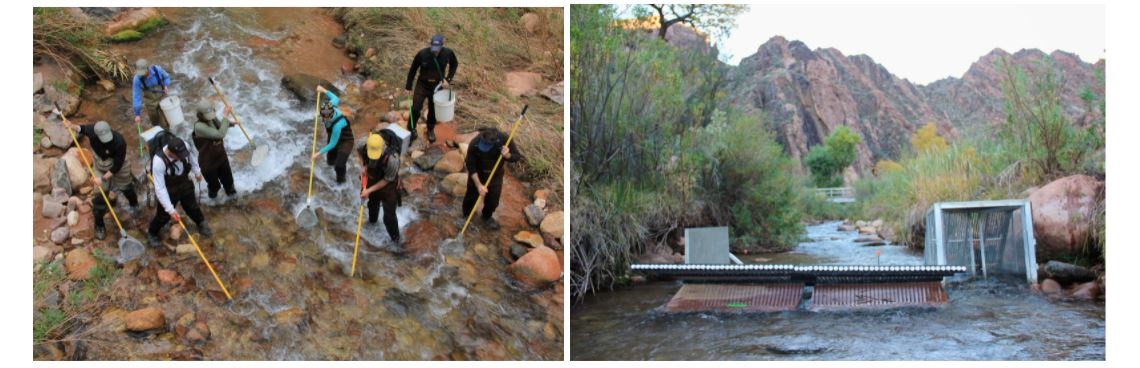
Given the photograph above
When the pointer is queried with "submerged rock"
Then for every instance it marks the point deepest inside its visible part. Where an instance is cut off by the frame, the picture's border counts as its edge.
(537, 268)
(1066, 273)
(304, 86)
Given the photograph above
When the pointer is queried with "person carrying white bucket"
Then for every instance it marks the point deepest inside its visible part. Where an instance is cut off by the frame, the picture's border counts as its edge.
(429, 62)
(148, 87)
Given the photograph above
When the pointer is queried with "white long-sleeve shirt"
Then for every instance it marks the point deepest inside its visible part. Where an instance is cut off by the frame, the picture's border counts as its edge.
(158, 168)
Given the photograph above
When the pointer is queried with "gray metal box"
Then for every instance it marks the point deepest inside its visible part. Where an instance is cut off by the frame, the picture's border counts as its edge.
(707, 245)
(403, 134)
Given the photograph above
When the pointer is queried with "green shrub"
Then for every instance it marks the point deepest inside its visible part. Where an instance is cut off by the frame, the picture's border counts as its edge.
(152, 24)
(827, 161)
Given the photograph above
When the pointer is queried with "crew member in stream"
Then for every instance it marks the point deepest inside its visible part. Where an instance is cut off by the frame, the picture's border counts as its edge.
(381, 163)
(429, 62)
(339, 131)
(209, 137)
(484, 150)
(110, 166)
(148, 87)
(170, 168)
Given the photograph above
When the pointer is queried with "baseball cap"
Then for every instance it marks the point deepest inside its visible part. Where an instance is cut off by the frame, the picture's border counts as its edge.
(375, 146)
(178, 148)
(436, 43)
(140, 67)
(103, 131)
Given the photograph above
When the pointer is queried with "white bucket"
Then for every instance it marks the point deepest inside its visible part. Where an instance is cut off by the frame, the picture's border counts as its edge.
(171, 107)
(403, 134)
(444, 101)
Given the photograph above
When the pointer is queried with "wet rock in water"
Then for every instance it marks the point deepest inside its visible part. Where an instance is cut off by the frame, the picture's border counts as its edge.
(868, 230)
(554, 92)
(185, 249)
(150, 318)
(537, 268)
(1066, 273)
(846, 228)
(60, 178)
(60, 235)
(51, 208)
(1062, 214)
(1050, 287)
(1086, 291)
(198, 333)
(455, 184)
(72, 218)
(42, 173)
(37, 82)
(304, 86)
(417, 183)
(452, 162)
(534, 214)
(170, 278)
(517, 251)
(552, 224)
(340, 41)
(428, 159)
(530, 239)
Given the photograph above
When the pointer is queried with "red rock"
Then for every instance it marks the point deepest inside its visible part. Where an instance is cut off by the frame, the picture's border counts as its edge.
(1086, 291)
(371, 51)
(530, 239)
(423, 237)
(79, 263)
(149, 318)
(1050, 287)
(537, 268)
(1062, 211)
(552, 224)
(347, 67)
(452, 162)
(552, 242)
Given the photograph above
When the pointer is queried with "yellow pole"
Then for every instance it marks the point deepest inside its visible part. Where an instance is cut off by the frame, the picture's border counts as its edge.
(199, 249)
(313, 161)
(79, 150)
(493, 169)
(227, 103)
(359, 222)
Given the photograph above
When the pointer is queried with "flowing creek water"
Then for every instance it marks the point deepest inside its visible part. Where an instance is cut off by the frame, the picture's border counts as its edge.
(985, 320)
(292, 297)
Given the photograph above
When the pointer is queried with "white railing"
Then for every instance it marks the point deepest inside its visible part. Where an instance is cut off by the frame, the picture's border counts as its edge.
(838, 194)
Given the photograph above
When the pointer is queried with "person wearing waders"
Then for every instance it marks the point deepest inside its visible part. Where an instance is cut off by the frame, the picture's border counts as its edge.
(382, 168)
(430, 63)
(170, 167)
(339, 132)
(110, 167)
(148, 87)
(209, 137)
(484, 150)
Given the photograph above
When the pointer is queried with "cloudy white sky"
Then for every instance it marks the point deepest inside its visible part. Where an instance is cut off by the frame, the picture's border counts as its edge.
(923, 43)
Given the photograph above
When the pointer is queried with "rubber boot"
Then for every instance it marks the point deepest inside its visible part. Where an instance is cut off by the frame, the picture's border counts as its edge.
(204, 230)
(152, 241)
(100, 233)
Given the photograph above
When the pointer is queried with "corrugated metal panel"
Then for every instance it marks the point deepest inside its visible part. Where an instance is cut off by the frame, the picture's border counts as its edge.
(877, 296)
(736, 298)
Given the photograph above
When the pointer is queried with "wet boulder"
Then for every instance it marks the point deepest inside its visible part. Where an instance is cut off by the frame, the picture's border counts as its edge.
(1086, 291)
(537, 268)
(150, 318)
(1049, 286)
(1066, 273)
(1063, 211)
(428, 159)
(304, 86)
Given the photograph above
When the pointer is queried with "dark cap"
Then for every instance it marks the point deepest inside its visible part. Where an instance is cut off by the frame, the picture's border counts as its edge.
(178, 148)
(436, 43)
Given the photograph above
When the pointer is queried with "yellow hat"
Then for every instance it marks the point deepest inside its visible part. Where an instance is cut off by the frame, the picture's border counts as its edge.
(375, 146)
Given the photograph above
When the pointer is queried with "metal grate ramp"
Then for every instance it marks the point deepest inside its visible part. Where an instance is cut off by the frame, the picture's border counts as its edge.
(736, 298)
(831, 297)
